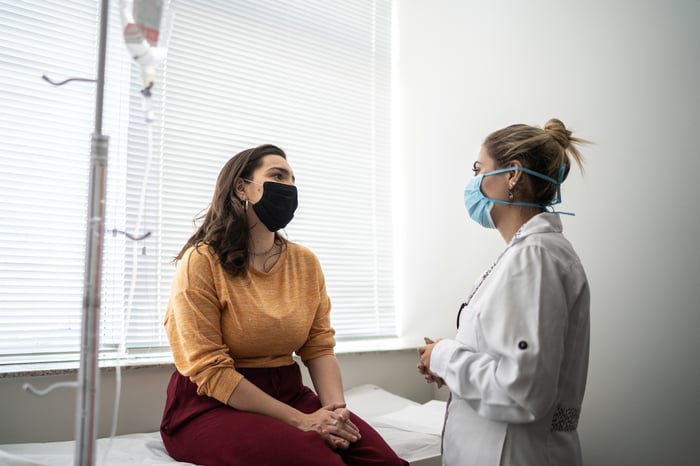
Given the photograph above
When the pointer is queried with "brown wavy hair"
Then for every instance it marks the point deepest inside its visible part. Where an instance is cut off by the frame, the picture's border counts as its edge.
(544, 150)
(224, 226)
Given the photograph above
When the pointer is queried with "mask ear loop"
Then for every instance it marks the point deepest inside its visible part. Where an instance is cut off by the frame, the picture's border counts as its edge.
(547, 206)
(560, 179)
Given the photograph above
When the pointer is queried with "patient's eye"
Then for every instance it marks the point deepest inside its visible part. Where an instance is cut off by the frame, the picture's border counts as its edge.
(278, 175)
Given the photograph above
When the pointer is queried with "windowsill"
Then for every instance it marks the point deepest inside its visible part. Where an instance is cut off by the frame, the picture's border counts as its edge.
(374, 345)
(165, 360)
(66, 368)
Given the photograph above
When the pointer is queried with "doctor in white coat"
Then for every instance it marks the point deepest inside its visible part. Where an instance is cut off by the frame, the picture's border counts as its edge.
(517, 367)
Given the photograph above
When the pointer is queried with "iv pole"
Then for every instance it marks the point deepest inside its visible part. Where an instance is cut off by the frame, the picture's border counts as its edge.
(88, 376)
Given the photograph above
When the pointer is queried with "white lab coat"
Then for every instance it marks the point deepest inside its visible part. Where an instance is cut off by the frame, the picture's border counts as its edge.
(519, 356)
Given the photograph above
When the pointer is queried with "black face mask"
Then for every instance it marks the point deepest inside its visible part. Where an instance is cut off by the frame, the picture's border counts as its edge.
(276, 207)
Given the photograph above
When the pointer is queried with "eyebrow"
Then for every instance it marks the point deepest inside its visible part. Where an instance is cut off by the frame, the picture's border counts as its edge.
(283, 170)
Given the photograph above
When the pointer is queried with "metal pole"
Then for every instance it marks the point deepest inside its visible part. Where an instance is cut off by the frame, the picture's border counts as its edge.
(88, 377)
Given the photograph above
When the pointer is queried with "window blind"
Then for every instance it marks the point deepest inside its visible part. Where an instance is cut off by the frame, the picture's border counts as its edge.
(312, 77)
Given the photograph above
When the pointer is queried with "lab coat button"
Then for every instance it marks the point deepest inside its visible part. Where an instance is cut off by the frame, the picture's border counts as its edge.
(522, 344)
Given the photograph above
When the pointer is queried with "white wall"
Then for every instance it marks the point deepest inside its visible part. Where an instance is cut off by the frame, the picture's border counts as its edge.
(624, 74)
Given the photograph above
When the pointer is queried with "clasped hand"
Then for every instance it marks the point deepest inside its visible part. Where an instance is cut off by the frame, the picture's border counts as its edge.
(424, 353)
(333, 424)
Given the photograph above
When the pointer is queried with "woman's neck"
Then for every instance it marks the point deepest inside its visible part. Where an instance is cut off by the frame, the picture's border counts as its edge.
(261, 245)
(510, 224)
(264, 250)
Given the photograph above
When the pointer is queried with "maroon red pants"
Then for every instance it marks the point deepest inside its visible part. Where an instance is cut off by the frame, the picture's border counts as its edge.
(201, 430)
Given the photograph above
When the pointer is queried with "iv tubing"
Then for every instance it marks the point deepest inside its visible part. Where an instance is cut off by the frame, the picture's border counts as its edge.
(132, 285)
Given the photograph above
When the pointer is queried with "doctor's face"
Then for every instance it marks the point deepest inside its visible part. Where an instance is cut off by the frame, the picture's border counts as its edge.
(496, 186)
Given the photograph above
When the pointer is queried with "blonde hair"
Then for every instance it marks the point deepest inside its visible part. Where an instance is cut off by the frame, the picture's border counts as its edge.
(544, 150)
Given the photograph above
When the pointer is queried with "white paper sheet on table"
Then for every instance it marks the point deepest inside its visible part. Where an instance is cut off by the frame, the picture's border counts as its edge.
(426, 418)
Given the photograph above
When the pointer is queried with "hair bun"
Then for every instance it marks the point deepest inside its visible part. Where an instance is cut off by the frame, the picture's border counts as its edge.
(558, 131)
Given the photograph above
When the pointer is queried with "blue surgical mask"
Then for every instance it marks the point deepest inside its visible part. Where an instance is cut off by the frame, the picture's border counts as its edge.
(479, 206)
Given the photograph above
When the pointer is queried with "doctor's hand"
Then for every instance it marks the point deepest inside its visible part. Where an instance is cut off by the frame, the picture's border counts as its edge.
(424, 353)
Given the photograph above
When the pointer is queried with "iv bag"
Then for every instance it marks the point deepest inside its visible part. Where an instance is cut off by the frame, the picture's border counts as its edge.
(146, 26)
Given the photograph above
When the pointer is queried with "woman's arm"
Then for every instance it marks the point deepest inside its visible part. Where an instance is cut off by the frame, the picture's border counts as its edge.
(325, 375)
(248, 397)
(332, 421)
(328, 421)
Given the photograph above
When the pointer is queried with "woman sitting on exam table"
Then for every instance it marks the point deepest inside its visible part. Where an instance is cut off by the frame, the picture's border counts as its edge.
(243, 300)
(517, 368)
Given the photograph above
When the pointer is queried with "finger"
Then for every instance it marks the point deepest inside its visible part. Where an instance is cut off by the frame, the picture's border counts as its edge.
(352, 431)
(348, 421)
(328, 438)
(343, 414)
(344, 429)
(353, 428)
(335, 420)
(339, 442)
(346, 433)
(344, 417)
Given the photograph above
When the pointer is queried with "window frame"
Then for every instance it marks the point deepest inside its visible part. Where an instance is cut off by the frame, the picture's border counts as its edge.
(371, 188)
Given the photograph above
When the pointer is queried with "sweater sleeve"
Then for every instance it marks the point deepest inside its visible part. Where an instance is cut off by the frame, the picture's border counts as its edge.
(321, 339)
(512, 375)
(193, 326)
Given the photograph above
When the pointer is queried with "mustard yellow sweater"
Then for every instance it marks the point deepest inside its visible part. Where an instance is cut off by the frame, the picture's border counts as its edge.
(216, 322)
